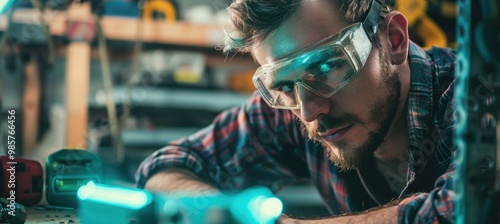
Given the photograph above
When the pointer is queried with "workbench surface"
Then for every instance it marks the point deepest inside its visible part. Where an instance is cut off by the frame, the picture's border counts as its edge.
(46, 214)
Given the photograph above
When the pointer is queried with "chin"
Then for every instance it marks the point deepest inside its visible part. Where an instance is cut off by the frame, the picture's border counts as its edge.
(347, 155)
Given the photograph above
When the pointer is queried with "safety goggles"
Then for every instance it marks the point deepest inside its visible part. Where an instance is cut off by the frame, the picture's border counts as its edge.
(323, 68)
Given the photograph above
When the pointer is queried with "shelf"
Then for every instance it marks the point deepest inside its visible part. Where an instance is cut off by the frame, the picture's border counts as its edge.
(215, 101)
(155, 138)
(125, 29)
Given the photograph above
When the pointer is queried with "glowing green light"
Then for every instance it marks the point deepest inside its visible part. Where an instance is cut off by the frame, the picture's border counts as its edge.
(69, 185)
(128, 198)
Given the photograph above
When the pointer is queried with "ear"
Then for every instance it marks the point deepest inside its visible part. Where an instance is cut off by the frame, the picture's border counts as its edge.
(397, 32)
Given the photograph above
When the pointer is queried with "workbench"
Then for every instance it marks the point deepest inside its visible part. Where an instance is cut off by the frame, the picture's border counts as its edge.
(42, 214)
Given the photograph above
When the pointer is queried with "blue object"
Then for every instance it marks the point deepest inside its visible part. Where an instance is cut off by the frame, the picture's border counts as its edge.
(127, 198)
(4, 4)
(252, 206)
(120, 8)
(103, 204)
(100, 203)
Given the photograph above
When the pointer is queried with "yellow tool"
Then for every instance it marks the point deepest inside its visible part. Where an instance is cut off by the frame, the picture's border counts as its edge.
(422, 28)
(163, 6)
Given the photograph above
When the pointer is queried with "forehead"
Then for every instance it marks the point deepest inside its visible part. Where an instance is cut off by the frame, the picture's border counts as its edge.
(313, 21)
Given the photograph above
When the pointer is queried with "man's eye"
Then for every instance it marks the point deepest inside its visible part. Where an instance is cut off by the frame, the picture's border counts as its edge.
(286, 88)
(330, 65)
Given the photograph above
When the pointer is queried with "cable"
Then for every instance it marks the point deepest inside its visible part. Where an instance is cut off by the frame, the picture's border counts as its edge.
(108, 88)
(134, 72)
(45, 29)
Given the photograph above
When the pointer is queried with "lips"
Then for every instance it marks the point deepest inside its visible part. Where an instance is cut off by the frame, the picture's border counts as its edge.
(335, 134)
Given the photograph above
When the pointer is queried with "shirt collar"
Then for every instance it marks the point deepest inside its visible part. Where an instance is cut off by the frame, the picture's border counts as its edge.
(420, 107)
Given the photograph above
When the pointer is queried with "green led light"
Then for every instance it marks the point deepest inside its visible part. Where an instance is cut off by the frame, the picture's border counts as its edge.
(69, 185)
(121, 197)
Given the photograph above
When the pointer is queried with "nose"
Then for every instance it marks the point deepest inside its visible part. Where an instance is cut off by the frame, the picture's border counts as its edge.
(311, 105)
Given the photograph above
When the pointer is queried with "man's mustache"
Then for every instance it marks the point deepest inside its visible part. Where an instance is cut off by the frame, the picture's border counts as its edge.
(329, 122)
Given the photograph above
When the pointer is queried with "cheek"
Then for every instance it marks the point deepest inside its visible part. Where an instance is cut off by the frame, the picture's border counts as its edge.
(366, 87)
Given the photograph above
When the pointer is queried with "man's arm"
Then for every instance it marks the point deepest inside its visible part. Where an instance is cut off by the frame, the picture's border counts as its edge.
(242, 147)
(385, 215)
(175, 179)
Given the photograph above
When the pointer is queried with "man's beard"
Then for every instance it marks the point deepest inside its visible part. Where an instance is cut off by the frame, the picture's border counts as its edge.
(382, 112)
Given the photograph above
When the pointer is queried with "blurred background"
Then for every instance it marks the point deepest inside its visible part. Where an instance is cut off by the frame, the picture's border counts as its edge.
(121, 78)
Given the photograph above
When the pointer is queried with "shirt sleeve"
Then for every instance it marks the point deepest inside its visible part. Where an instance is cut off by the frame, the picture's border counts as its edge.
(244, 146)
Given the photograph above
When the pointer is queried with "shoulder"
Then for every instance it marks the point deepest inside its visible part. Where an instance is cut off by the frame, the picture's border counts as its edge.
(443, 65)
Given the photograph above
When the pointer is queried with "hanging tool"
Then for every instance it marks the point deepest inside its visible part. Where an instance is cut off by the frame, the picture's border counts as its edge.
(165, 7)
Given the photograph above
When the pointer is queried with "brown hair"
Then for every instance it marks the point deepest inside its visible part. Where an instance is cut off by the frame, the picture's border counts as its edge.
(253, 20)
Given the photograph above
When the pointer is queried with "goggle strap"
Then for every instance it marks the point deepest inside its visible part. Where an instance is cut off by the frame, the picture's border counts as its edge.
(376, 11)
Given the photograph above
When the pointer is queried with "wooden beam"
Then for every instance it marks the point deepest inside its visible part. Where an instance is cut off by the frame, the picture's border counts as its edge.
(123, 28)
(77, 84)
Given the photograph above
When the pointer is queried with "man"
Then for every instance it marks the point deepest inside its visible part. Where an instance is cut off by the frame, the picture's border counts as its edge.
(343, 99)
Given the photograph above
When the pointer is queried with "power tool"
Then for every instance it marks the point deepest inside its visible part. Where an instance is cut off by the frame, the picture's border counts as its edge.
(22, 176)
(66, 171)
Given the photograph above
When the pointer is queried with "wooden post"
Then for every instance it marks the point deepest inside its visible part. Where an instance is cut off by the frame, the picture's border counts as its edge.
(77, 82)
(31, 104)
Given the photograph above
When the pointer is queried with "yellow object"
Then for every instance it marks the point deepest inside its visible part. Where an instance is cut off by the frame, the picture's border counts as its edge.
(241, 82)
(186, 75)
(412, 9)
(421, 27)
(430, 33)
(162, 6)
(449, 10)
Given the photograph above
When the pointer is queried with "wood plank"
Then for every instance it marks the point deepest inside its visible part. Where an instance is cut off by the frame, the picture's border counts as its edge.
(77, 91)
(31, 105)
(124, 28)
(77, 84)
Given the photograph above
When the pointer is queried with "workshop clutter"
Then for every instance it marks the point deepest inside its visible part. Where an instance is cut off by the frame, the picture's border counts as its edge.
(66, 170)
(192, 69)
(22, 180)
(430, 23)
(256, 205)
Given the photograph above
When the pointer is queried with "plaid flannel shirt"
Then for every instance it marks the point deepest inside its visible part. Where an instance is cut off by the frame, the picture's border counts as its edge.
(257, 145)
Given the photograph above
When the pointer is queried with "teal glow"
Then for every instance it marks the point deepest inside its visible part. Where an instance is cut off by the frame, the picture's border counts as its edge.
(271, 208)
(121, 197)
(307, 56)
(265, 209)
(4, 4)
(257, 206)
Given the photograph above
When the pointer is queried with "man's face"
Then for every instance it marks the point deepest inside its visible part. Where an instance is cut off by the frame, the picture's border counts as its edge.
(352, 123)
